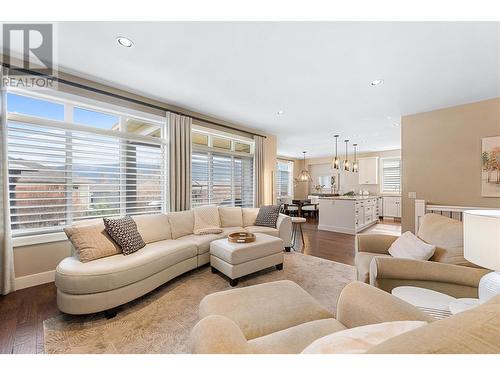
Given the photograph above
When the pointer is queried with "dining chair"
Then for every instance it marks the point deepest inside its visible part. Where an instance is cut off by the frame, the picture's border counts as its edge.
(290, 208)
(312, 208)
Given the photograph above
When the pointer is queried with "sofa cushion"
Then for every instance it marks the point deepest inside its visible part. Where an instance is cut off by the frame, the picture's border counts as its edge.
(267, 230)
(409, 246)
(227, 231)
(249, 216)
(264, 308)
(91, 241)
(447, 235)
(360, 339)
(231, 216)
(202, 242)
(124, 231)
(295, 339)
(475, 331)
(362, 261)
(181, 223)
(268, 216)
(153, 227)
(206, 220)
(75, 277)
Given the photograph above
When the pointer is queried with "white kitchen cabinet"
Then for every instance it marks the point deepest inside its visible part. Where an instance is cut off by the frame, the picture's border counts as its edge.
(392, 206)
(368, 171)
(347, 214)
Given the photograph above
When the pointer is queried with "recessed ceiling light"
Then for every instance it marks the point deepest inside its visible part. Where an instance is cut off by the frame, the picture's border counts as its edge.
(377, 82)
(280, 112)
(396, 124)
(124, 42)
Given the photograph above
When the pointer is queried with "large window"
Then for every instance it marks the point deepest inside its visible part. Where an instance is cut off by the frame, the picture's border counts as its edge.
(284, 178)
(69, 161)
(222, 170)
(391, 175)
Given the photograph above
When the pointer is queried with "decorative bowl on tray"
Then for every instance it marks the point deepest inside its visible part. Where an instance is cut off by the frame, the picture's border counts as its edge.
(241, 237)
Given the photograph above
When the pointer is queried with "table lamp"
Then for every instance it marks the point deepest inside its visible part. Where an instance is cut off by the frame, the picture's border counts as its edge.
(482, 247)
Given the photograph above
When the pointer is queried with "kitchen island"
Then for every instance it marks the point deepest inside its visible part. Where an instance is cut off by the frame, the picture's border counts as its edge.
(348, 214)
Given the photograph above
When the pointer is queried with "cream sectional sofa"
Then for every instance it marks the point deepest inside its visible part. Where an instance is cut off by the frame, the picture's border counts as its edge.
(171, 250)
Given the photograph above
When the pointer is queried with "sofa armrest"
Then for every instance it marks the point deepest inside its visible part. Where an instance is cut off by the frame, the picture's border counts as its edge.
(216, 334)
(361, 304)
(374, 243)
(284, 225)
(457, 281)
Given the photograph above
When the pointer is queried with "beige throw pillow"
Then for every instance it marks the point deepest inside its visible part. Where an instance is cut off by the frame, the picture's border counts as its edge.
(206, 220)
(360, 339)
(231, 217)
(91, 241)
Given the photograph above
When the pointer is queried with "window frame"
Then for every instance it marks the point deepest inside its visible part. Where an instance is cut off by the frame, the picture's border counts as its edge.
(290, 179)
(70, 102)
(232, 153)
(382, 179)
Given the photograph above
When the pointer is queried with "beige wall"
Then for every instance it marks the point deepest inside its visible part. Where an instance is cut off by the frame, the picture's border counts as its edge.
(441, 156)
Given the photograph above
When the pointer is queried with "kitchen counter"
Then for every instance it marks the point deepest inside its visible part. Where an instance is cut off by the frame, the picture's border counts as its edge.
(351, 198)
(348, 214)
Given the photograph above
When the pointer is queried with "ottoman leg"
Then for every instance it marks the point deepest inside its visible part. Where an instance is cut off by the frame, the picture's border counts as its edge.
(110, 314)
(233, 282)
(213, 269)
(288, 249)
(279, 267)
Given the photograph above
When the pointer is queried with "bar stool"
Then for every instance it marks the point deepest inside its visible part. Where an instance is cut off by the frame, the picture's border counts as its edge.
(297, 226)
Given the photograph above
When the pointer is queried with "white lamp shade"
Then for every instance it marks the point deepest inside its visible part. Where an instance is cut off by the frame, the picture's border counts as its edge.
(482, 238)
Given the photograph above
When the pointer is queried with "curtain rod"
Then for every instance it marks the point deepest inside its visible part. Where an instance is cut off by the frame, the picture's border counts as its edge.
(118, 96)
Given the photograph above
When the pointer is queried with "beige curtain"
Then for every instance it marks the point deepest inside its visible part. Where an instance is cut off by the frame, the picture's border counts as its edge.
(180, 161)
(6, 253)
(259, 170)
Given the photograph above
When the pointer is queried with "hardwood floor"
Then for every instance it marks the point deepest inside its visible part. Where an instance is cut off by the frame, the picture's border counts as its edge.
(334, 246)
(21, 318)
(22, 313)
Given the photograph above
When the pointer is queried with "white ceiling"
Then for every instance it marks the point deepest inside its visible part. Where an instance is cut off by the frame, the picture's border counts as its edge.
(318, 73)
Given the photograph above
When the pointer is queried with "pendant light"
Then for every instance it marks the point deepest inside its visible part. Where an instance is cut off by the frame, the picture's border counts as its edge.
(304, 175)
(336, 160)
(346, 161)
(355, 166)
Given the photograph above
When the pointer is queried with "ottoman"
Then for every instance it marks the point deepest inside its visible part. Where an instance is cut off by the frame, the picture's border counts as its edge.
(239, 259)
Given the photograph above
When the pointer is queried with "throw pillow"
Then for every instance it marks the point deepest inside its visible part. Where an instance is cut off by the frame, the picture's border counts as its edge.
(91, 241)
(124, 232)
(267, 216)
(206, 220)
(409, 246)
(231, 217)
(360, 339)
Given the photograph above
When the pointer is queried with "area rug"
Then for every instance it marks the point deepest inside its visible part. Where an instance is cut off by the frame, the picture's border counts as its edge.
(160, 322)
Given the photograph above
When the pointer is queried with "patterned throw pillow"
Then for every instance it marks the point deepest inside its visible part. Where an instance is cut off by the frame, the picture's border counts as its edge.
(268, 216)
(124, 232)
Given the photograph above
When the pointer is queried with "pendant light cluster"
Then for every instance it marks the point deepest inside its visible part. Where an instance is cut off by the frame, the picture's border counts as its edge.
(346, 164)
(304, 175)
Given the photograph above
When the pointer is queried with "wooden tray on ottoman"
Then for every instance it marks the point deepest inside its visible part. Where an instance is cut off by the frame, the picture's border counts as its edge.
(241, 237)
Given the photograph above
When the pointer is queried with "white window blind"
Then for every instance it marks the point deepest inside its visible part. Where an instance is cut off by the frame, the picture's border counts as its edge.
(224, 178)
(391, 175)
(284, 178)
(62, 172)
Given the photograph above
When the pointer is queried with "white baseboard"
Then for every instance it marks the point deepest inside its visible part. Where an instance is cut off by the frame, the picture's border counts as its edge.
(35, 279)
